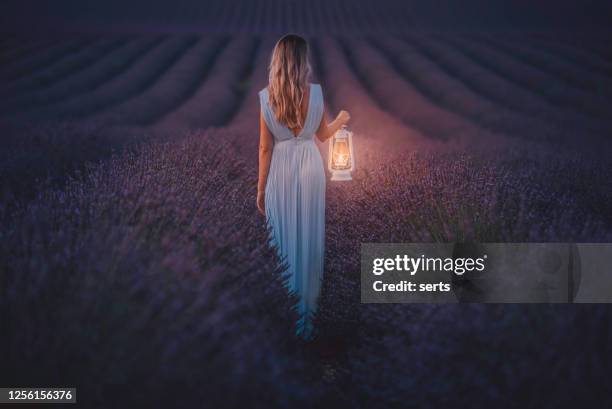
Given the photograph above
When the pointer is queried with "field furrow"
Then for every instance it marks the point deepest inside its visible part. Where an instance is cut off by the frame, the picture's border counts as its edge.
(76, 90)
(60, 70)
(496, 87)
(218, 97)
(406, 102)
(605, 51)
(171, 89)
(123, 78)
(440, 84)
(11, 47)
(18, 48)
(579, 56)
(529, 78)
(40, 60)
(598, 45)
(596, 87)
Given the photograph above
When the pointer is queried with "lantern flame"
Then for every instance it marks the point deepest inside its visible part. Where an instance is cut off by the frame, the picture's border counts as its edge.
(340, 160)
(341, 155)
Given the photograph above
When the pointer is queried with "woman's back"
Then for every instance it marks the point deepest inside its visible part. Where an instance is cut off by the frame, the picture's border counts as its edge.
(314, 113)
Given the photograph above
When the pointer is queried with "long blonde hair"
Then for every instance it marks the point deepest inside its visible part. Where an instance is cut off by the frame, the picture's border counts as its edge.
(289, 73)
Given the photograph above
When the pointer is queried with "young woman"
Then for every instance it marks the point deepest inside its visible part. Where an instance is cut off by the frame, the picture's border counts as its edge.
(291, 187)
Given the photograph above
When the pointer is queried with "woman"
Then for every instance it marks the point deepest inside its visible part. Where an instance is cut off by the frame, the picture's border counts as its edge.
(291, 186)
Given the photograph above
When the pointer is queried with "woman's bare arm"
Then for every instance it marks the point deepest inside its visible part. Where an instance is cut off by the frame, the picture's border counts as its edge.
(326, 130)
(266, 143)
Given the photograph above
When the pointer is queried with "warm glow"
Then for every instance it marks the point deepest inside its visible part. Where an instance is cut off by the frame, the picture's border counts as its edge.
(341, 160)
(341, 155)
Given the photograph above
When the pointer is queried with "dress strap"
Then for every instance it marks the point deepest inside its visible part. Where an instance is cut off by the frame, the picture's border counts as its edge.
(317, 107)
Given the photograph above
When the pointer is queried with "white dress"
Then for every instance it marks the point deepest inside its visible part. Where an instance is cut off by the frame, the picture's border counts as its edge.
(295, 204)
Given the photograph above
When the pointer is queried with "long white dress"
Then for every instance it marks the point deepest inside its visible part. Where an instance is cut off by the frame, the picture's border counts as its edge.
(295, 204)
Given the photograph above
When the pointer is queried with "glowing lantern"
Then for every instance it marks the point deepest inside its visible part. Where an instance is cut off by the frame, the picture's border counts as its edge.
(341, 157)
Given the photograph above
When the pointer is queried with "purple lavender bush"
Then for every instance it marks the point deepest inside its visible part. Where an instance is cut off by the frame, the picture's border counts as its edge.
(152, 268)
(458, 355)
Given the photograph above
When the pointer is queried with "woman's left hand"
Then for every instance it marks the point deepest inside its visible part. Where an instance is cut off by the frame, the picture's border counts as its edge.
(261, 204)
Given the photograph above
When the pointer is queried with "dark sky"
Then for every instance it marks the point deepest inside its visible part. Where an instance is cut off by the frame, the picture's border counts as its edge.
(311, 15)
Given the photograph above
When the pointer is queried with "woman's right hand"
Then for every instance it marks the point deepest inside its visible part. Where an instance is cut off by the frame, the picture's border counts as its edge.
(343, 117)
(261, 205)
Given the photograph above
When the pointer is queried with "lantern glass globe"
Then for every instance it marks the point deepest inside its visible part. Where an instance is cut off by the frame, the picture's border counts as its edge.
(341, 156)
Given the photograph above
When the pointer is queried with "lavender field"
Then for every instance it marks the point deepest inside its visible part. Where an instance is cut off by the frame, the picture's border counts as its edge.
(134, 264)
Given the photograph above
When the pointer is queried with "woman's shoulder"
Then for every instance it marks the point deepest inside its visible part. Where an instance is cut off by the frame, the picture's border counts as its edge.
(263, 95)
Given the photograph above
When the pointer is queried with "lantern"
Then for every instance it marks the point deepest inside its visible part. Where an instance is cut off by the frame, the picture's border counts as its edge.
(341, 157)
